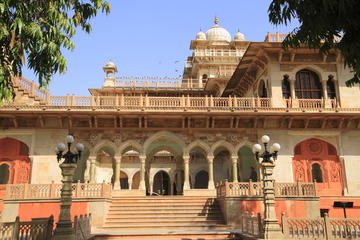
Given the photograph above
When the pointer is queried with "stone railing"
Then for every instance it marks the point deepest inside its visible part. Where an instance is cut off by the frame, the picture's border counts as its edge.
(52, 191)
(320, 228)
(239, 189)
(37, 228)
(156, 82)
(314, 104)
(82, 227)
(254, 189)
(251, 224)
(32, 88)
(275, 37)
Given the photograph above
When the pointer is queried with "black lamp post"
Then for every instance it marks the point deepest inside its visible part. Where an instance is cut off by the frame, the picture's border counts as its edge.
(271, 228)
(69, 157)
(268, 156)
(64, 229)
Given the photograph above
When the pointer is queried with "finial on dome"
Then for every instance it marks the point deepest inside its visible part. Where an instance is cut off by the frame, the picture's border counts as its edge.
(216, 20)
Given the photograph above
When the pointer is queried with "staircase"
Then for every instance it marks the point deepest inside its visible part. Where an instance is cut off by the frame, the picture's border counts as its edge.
(165, 217)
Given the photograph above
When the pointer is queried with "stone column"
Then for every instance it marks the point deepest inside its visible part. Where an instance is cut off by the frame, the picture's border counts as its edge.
(142, 173)
(271, 226)
(324, 88)
(117, 173)
(64, 229)
(87, 170)
(186, 172)
(178, 182)
(211, 172)
(92, 160)
(234, 160)
(292, 88)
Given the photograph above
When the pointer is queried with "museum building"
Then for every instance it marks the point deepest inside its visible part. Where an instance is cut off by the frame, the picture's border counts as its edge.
(192, 137)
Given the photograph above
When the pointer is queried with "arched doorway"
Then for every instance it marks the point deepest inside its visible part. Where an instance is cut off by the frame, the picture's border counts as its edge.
(202, 180)
(124, 183)
(161, 185)
(135, 181)
(15, 161)
(248, 166)
(307, 85)
(4, 173)
(317, 160)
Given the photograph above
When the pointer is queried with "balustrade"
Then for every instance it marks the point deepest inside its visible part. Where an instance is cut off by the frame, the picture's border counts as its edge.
(52, 191)
(320, 228)
(254, 189)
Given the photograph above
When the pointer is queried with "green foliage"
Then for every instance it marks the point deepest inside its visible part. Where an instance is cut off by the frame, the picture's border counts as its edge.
(321, 23)
(37, 30)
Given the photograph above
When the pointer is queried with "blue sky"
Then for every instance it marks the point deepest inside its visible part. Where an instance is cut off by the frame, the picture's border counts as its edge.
(152, 38)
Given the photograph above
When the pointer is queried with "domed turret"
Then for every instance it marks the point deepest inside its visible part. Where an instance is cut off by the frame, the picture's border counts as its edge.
(110, 69)
(239, 36)
(217, 33)
(200, 35)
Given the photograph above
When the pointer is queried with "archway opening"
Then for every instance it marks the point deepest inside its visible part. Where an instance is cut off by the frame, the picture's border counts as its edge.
(316, 173)
(161, 185)
(222, 165)
(4, 174)
(124, 181)
(104, 166)
(135, 181)
(248, 169)
(262, 91)
(201, 180)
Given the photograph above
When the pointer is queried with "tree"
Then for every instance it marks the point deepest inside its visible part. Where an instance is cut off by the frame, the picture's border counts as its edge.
(324, 25)
(34, 32)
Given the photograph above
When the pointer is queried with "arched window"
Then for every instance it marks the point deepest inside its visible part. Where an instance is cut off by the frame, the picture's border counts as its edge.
(4, 173)
(307, 85)
(204, 78)
(330, 86)
(286, 87)
(262, 89)
(316, 173)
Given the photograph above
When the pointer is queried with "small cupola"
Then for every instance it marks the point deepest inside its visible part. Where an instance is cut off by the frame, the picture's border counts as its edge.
(110, 70)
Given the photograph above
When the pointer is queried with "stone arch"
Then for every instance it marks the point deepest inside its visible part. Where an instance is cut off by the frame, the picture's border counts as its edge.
(15, 154)
(82, 167)
(316, 151)
(104, 143)
(222, 144)
(201, 179)
(245, 143)
(4, 173)
(198, 145)
(318, 70)
(247, 165)
(130, 144)
(169, 137)
(124, 180)
(165, 182)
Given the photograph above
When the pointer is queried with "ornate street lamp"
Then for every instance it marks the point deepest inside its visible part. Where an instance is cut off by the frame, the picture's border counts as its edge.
(271, 226)
(64, 229)
(267, 154)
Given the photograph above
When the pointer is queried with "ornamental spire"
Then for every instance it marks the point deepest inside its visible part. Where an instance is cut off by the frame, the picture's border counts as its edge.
(216, 20)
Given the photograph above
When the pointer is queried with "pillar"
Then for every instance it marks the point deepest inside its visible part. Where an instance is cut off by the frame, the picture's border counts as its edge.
(92, 160)
(324, 88)
(64, 229)
(234, 160)
(142, 173)
(211, 172)
(271, 226)
(292, 88)
(117, 173)
(87, 170)
(186, 172)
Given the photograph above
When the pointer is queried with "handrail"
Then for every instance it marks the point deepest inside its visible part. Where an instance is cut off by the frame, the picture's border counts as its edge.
(254, 189)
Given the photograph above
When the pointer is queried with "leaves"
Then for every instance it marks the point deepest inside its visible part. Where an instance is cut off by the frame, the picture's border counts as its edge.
(38, 30)
(321, 22)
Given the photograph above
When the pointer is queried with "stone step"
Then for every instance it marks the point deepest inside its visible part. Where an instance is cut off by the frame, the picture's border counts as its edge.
(170, 235)
(164, 214)
(163, 218)
(176, 222)
(157, 226)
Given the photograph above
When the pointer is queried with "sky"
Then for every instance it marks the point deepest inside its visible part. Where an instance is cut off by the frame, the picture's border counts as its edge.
(152, 38)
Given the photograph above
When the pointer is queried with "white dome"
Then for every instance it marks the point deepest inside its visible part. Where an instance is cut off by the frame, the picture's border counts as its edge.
(239, 36)
(217, 33)
(200, 36)
(110, 64)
